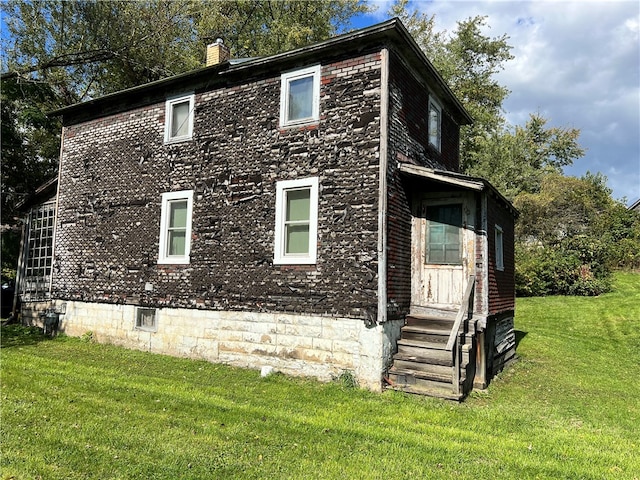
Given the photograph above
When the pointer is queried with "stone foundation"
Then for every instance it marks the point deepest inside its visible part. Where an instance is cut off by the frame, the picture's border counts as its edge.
(301, 345)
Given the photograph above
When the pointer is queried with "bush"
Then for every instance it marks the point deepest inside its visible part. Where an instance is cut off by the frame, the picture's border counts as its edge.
(568, 269)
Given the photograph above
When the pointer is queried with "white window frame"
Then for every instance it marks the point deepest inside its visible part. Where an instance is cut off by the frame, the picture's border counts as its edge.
(499, 237)
(167, 198)
(285, 80)
(282, 187)
(168, 118)
(435, 139)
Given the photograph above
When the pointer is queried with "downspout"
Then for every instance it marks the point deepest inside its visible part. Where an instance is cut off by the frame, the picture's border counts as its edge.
(55, 214)
(382, 192)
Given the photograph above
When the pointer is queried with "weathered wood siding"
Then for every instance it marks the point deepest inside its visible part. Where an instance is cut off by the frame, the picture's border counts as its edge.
(501, 282)
(115, 168)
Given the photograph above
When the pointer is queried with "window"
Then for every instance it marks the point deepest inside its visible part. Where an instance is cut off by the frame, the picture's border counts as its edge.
(35, 280)
(179, 119)
(175, 227)
(146, 319)
(300, 97)
(499, 248)
(435, 122)
(296, 221)
(444, 234)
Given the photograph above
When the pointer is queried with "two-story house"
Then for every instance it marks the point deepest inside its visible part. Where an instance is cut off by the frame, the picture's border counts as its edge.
(303, 211)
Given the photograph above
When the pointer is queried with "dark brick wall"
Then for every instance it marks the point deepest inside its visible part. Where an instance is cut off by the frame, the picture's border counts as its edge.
(409, 138)
(501, 283)
(115, 169)
(409, 142)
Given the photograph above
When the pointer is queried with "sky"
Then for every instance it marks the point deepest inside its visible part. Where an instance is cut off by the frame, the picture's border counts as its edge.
(577, 63)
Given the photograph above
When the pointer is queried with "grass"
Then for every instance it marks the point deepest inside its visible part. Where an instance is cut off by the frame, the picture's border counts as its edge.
(569, 408)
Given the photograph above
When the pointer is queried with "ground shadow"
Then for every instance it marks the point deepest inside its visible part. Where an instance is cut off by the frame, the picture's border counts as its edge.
(519, 336)
(15, 335)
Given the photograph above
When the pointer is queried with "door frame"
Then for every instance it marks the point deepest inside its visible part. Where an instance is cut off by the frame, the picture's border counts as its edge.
(440, 286)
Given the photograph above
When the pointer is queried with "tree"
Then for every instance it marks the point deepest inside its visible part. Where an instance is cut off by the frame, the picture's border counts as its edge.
(570, 236)
(517, 160)
(29, 148)
(83, 49)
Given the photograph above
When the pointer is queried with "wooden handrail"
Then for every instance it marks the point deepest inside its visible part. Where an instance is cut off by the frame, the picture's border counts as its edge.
(464, 310)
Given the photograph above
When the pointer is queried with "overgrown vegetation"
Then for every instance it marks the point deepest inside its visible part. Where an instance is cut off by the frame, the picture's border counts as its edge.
(567, 409)
(571, 236)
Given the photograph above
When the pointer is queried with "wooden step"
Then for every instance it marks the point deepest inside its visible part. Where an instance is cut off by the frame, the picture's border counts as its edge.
(436, 392)
(410, 376)
(424, 383)
(429, 320)
(410, 342)
(429, 355)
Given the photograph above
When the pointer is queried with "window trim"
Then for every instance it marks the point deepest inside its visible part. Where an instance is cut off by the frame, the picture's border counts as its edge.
(499, 247)
(427, 244)
(163, 257)
(285, 79)
(433, 103)
(168, 118)
(282, 187)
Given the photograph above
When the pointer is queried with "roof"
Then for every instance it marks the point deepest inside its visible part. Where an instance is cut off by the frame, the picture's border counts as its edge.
(455, 179)
(43, 193)
(635, 205)
(391, 33)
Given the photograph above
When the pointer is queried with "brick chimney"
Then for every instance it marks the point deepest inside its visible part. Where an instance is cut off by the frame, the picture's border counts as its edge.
(217, 53)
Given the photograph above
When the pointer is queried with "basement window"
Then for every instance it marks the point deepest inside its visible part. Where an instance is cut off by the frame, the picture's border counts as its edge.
(300, 97)
(179, 119)
(296, 222)
(146, 319)
(175, 227)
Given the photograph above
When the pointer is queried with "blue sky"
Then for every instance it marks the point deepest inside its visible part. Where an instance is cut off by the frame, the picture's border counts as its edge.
(576, 63)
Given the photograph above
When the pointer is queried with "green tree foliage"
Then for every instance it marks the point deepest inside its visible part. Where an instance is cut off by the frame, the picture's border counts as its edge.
(87, 48)
(571, 235)
(30, 141)
(517, 160)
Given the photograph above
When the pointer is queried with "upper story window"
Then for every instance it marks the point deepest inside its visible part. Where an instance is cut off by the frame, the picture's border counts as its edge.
(179, 119)
(175, 227)
(444, 234)
(435, 124)
(300, 97)
(499, 248)
(296, 221)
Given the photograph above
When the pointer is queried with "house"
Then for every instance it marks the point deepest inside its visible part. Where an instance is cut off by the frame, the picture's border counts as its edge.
(303, 211)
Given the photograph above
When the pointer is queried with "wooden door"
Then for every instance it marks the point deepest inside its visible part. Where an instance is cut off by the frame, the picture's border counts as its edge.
(443, 250)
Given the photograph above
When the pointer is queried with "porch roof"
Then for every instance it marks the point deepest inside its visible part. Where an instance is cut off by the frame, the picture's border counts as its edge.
(455, 179)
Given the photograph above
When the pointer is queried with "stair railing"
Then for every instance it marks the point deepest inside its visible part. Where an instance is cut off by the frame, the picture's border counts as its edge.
(465, 311)
(465, 308)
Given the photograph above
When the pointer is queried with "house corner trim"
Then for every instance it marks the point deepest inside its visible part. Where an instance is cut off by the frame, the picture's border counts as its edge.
(382, 201)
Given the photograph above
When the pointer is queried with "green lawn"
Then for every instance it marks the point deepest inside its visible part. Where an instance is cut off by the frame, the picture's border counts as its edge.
(570, 408)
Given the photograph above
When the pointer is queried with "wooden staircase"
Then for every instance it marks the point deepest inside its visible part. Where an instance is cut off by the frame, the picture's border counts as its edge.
(436, 352)
(424, 365)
